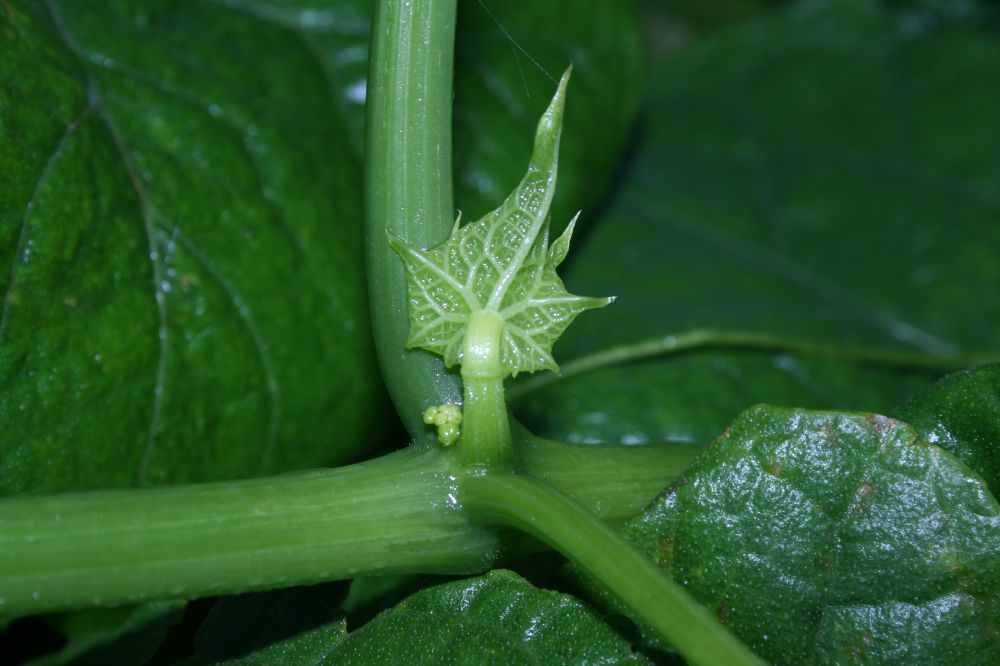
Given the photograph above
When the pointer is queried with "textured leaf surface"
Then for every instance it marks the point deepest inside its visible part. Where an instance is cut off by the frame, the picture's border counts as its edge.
(827, 174)
(961, 414)
(236, 157)
(502, 263)
(498, 618)
(183, 292)
(830, 537)
(293, 626)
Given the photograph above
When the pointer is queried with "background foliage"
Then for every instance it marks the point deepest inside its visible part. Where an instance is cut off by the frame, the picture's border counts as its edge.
(180, 221)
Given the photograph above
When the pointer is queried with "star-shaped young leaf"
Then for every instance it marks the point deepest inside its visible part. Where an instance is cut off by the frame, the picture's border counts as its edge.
(500, 263)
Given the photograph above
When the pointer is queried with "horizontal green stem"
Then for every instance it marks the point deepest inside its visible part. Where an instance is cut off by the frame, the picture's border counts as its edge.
(751, 340)
(551, 516)
(391, 515)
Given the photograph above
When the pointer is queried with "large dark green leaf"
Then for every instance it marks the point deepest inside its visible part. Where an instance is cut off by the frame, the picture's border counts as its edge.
(180, 214)
(498, 618)
(180, 211)
(831, 537)
(827, 175)
(179, 217)
(961, 414)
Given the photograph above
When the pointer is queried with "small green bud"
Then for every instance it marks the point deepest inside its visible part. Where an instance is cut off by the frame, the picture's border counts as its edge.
(452, 411)
(448, 434)
(447, 418)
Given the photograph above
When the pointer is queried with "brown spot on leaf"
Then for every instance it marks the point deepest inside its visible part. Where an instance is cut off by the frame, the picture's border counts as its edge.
(724, 614)
(665, 553)
(829, 435)
(880, 424)
(864, 497)
(774, 468)
(675, 486)
(70, 301)
(860, 648)
(950, 559)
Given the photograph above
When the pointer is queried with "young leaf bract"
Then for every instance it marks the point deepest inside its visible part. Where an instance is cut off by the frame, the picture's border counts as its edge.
(501, 263)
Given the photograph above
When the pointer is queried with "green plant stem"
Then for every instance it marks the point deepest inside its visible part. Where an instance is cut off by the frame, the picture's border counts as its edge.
(408, 185)
(486, 441)
(547, 514)
(750, 340)
(391, 515)
(612, 481)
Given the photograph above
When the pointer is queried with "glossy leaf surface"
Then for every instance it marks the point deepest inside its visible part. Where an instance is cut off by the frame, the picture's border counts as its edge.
(184, 297)
(180, 212)
(832, 537)
(961, 414)
(497, 618)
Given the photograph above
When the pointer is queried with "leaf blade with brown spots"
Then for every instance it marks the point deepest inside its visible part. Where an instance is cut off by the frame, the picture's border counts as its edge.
(834, 537)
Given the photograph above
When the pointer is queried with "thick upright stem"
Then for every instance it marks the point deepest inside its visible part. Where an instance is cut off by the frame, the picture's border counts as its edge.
(408, 184)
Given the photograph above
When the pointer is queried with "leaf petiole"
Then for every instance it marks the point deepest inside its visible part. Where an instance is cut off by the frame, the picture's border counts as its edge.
(486, 441)
(538, 509)
(710, 338)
